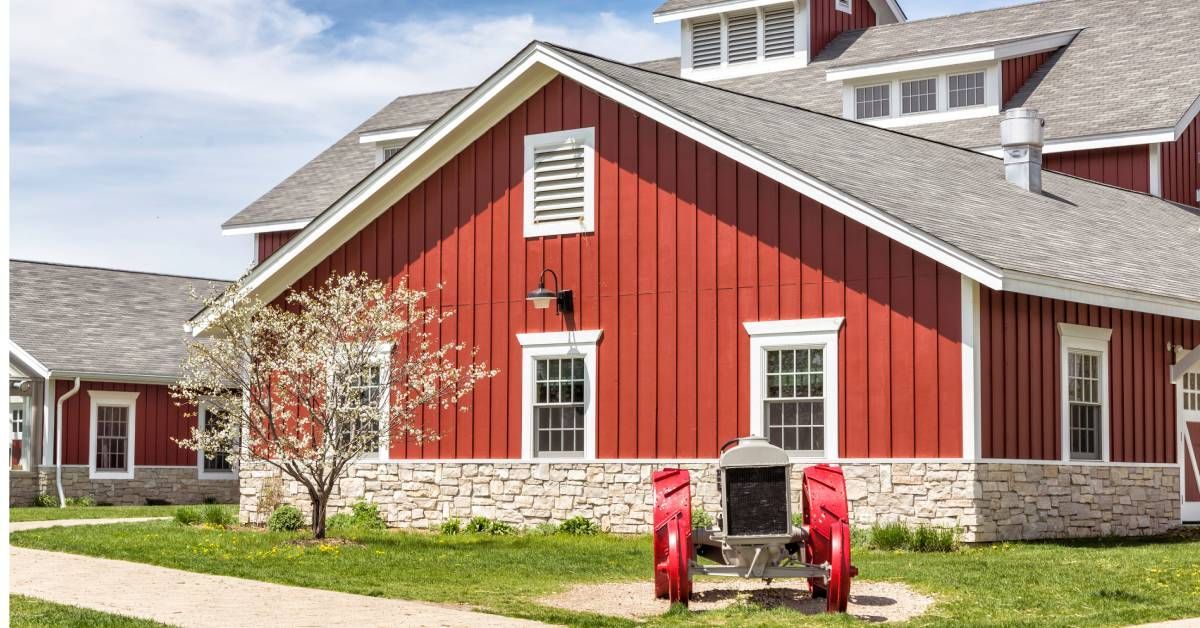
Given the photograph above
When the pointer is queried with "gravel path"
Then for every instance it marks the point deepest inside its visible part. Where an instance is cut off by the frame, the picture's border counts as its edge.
(17, 526)
(184, 598)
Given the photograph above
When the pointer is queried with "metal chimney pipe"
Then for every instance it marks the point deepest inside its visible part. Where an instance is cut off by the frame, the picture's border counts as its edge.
(1022, 135)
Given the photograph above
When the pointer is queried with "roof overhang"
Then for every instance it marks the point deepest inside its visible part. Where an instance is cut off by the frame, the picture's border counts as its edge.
(959, 55)
(26, 360)
(1091, 294)
(266, 227)
(391, 135)
(30, 364)
(1185, 362)
(886, 11)
(515, 82)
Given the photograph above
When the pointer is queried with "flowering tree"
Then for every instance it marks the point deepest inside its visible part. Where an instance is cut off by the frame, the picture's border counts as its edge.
(331, 376)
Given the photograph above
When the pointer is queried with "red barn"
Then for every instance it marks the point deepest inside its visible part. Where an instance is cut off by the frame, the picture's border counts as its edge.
(798, 230)
(91, 355)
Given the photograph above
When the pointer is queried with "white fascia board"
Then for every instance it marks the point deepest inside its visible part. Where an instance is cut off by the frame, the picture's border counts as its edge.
(1187, 118)
(27, 359)
(712, 9)
(266, 227)
(120, 378)
(1092, 142)
(1090, 294)
(534, 67)
(997, 52)
(389, 135)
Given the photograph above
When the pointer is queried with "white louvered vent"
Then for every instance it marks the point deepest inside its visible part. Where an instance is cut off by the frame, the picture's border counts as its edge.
(559, 188)
(743, 37)
(391, 150)
(558, 184)
(706, 44)
(779, 32)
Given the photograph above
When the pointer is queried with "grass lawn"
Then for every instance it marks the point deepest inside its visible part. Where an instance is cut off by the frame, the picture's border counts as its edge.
(89, 512)
(1096, 582)
(28, 612)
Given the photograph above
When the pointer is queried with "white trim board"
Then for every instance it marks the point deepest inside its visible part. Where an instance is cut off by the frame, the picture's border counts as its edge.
(266, 227)
(1185, 363)
(388, 135)
(27, 359)
(1164, 135)
(110, 398)
(1050, 287)
(565, 344)
(886, 11)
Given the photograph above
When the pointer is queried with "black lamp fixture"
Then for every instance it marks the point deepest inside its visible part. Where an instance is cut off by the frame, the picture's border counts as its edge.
(541, 297)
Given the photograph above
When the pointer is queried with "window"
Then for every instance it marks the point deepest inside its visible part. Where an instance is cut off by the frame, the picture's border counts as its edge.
(918, 96)
(558, 416)
(218, 465)
(845, 6)
(966, 90)
(872, 102)
(20, 447)
(113, 429)
(1191, 391)
(559, 182)
(793, 385)
(367, 391)
(742, 35)
(779, 31)
(706, 43)
(1085, 409)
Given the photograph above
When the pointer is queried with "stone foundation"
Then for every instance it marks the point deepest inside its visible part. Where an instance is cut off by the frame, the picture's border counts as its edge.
(986, 501)
(176, 485)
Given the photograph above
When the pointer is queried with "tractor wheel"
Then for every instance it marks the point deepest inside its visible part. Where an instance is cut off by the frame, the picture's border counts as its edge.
(840, 570)
(672, 535)
(825, 507)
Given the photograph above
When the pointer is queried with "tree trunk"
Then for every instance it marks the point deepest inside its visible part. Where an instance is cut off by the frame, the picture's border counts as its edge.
(318, 515)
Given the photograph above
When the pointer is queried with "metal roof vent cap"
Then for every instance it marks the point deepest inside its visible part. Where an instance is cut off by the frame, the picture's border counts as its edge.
(1022, 135)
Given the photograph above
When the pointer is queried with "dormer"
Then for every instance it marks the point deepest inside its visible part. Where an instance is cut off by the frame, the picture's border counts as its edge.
(732, 38)
(388, 142)
(916, 85)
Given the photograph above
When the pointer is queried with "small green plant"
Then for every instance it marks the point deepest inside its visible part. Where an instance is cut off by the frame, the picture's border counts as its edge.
(544, 529)
(701, 520)
(897, 536)
(363, 515)
(45, 500)
(483, 525)
(81, 502)
(928, 539)
(798, 519)
(451, 526)
(579, 525)
(890, 536)
(187, 515)
(286, 518)
(217, 516)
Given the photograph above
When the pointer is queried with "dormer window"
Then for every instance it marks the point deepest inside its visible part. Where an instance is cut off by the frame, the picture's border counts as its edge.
(966, 90)
(923, 97)
(919, 96)
(762, 39)
(872, 102)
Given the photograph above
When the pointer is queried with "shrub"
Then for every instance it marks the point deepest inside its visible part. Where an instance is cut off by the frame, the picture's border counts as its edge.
(890, 536)
(483, 525)
(579, 525)
(187, 515)
(363, 515)
(217, 516)
(82, 502)
(897, 536)
(451, 526)
(286, 518)
(46, 500)
(927, 539)
(340, 521)
(544, 529)
(701, 520)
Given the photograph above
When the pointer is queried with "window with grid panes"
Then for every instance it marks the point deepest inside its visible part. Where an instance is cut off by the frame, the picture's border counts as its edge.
(794, 400)
(918, 96)
(366, 392)
(872, 102)
(966, 90)
(558, 407)
(1191, 392)
(216, 462)
(1084, 404)
(112, 438)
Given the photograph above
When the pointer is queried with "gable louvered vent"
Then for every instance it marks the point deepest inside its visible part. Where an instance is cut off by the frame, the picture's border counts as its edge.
(706, 44)
(779, 32)
(391, 150)
(559, 182)
(743, 37)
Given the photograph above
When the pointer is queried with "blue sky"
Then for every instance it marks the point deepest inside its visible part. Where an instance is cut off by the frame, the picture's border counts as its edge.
(138, 128)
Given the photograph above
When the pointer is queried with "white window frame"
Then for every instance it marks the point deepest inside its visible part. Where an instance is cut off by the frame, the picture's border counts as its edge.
(562, 344)
(1094, 340)
(937, 94)
(25, 436)
(949, 75)
(587, 138)
(891, 102)
(201, 472)
(845, 6)
(793, 334)
(991, 105)
(724, 70)
(113, 398)
(383, 358)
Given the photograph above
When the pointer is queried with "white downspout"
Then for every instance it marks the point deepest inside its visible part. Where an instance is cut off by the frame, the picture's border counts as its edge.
(62, 501)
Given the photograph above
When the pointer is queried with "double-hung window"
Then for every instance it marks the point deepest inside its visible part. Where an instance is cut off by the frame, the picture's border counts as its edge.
(365, 392)
(558, 379)
(20, 448)
(214, 465)
(112, 435)
(1085, 405)
(873, 101)
(793, 385)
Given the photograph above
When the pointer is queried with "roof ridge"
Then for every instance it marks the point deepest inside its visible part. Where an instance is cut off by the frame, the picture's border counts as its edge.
(117, 270)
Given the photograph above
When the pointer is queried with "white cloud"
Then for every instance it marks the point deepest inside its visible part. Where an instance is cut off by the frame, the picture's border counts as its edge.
(138, 127)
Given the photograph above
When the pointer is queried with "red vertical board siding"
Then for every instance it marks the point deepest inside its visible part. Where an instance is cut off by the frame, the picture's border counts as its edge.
(271, 241)
(688, 246)
(1124, 167)
(1014, 73)
(158, 421)
(1022, 394)
(828, 22)
(1181, 166)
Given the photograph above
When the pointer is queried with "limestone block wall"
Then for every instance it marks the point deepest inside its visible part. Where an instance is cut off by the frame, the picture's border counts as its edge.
(986, 501)
(177, 485)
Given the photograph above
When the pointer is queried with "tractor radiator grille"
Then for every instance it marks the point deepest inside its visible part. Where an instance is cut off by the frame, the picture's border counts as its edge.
(756, 501)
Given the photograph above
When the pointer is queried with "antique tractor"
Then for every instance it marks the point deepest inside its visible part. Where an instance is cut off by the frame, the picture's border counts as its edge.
(754, 537)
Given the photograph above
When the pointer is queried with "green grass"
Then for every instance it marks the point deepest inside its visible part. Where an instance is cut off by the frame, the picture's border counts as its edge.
(28, 612)
(89, 512)
(1093, 582)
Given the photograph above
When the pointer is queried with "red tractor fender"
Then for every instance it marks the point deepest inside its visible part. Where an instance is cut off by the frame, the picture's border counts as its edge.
(672, 534)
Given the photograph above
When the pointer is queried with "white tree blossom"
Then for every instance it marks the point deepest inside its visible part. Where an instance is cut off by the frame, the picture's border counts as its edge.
(330, 375)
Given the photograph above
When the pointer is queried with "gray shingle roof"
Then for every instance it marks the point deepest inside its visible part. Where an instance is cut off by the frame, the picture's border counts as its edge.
(1078, 230)
(1130, 69)
(679, 5)
(94, 320)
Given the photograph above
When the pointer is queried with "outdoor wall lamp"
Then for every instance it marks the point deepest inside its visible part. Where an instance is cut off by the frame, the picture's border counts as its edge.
(541, 297)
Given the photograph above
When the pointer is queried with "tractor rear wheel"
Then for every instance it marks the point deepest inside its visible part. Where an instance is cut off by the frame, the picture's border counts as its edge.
(840, 571)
